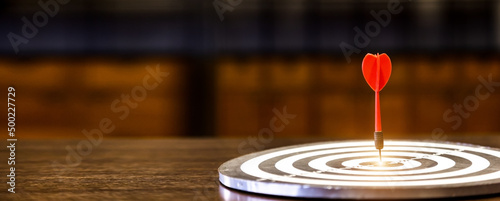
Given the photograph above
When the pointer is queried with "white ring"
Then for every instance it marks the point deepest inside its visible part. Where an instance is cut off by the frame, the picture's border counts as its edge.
(477, 165)
(320, 163)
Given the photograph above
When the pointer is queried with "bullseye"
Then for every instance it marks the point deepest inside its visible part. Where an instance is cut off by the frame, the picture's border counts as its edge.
(387, 164)
(351, 169)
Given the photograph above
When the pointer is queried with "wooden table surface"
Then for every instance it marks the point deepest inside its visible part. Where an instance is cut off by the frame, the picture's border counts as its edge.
(138, 169)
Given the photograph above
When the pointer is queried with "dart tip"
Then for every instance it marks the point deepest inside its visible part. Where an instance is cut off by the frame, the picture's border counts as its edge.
(380, 154)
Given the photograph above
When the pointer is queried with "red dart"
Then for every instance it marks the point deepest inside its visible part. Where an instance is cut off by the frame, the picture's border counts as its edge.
(377, 70)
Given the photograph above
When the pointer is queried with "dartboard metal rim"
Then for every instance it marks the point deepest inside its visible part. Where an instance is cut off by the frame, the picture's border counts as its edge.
(231, 176)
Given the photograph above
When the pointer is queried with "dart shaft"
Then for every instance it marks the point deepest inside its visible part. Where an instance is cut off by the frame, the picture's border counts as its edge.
(378, 121)
(379, 137)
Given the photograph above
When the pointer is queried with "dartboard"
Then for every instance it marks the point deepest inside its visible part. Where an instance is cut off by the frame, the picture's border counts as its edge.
(352, 169)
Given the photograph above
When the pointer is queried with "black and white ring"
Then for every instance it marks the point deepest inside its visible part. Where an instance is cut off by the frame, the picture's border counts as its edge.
(350, 169)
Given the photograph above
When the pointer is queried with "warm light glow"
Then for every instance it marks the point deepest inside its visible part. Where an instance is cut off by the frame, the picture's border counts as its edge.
(381, 175)
(348, 153)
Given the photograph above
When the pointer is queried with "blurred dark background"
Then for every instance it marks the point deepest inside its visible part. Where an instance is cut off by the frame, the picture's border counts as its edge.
(226, 76)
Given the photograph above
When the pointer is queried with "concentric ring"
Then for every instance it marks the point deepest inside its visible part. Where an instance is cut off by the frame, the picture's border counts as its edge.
(350, 169)
(385, 165)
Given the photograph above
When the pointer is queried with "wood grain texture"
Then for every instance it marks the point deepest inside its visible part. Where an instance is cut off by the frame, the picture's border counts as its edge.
(139, 169)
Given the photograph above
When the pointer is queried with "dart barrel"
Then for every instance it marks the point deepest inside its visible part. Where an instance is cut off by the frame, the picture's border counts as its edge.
(379, 140)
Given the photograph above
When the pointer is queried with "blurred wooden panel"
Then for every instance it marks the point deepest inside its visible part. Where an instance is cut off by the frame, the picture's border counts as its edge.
(328, 95)
(155, 116)
(290, 87)
(43, 103)
(113, 74)
(339, 117)
(349, 116)
(248, 94)
(60, 98)
(435, 73)
(237, 99)
(290, 74)
(237, 115)
(116, 74)
(480, 66)
(238, 76)
(400, 75)
(429, 109)
(394, 112)
(45, 72)
(157, 112)
(336, 72)
(421, 89)
(485, 117)
(296, 105)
